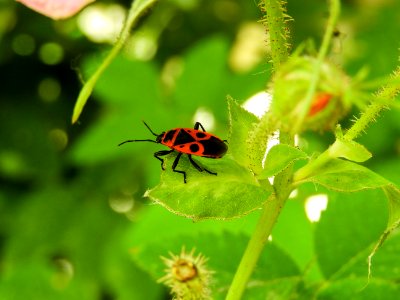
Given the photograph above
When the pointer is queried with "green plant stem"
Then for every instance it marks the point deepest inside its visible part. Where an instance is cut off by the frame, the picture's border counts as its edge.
(255, 246)
(334, 9)
(137, 9)
(388, 92)
(278, 32)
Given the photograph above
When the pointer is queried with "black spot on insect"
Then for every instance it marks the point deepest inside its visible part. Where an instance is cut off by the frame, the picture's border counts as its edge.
(213, 147)
(194, 148)
(183, 138)
(200, 135)
(169, 136)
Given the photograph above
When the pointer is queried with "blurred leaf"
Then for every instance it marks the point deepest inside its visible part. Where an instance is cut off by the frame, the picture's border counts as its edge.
(126, 83)
(204, 76)
(279, 289)
(241, 122)
(257, 142)
(355, 288)
(393, 194)
(348, 228)
(124, 277)
(234, 192)
(155, 220)
(61, 232)
(279, 158)
(123, 80)
(295, 231)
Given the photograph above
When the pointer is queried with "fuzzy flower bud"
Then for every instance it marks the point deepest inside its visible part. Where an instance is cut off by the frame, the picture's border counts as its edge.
(329, 103)
(187, 276)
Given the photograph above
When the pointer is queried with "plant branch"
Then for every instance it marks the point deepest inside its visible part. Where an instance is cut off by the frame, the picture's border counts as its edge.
(255, 246)
(278, 32)
(389, 92)
(386, 96)
(334, 9)
(275, 21)
(137, 9)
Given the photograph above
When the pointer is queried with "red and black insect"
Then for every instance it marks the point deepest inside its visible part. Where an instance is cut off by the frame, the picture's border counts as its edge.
(187, 141)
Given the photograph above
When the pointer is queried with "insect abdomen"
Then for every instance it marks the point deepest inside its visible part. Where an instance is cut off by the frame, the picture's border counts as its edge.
(213, 147)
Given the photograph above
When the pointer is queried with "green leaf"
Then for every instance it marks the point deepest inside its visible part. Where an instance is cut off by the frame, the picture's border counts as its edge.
(356, 289)
(279, 158)
(234, 192)
(347, 229)
(393, 194)
(350, 150)
(345, 176)
(126, 83)
(299, 237)
(257, 141)
(351, 282)
(241, 122)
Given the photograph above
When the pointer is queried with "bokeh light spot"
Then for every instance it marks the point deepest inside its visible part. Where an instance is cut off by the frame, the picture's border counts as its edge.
(314, 205)
(51, 53)
(121, 202)
(102, 23)
(49, 89)
(23, 44)
(59, 138)
(258, 104)
(205, 117)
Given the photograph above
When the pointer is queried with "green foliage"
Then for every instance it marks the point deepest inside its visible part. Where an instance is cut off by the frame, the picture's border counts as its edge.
(137, 9)
(345, 176)
(73, 220)
(344, 238)
(279, 158)
(234, 192)
(241, 123)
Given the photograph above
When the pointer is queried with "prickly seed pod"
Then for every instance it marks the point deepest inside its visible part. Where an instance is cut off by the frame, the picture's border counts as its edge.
(187, 276)
(329, 103)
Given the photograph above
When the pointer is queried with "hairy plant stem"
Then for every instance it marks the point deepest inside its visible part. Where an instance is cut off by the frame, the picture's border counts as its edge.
(255, 246)
(334, 10)
(278, 32)
(275, 21)
(387, 95)
(388, 92)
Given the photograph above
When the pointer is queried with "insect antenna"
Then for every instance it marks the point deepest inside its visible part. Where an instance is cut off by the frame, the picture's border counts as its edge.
(130, 141)
(155, 134)
(147, 140)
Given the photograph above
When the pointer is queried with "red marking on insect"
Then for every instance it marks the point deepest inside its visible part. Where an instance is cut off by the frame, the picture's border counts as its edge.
(319, 103)
(187, 141)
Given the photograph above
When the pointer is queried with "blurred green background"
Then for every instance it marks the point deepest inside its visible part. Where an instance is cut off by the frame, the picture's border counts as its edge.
(72, 214)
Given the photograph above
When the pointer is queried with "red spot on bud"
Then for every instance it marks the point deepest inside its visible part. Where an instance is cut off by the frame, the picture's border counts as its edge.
(320, 102)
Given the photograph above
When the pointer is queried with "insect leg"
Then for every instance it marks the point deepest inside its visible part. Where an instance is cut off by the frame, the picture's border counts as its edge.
(162, 153)
(200, 169)
(197, 125)
(176, 161)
